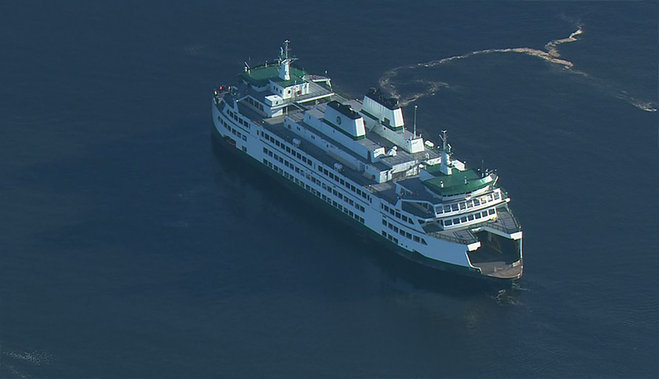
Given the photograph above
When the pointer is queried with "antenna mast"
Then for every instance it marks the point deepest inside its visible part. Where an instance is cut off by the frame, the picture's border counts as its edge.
(445, 167)
(415, 107)
(285, 62)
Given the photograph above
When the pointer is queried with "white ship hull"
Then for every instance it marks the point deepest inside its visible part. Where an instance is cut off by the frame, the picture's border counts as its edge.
(435, 252)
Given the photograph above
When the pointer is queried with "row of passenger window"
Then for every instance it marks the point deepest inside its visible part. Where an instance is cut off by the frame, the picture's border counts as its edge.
(285, 173)
(403, 233)
(345, 183)
(238, 119)
(317, 193)
(232, 130)
(468, 204)
(396, 213)
(344, 198)
(293, 152)
(390, 237)
(282, 160)
(345, 210)
(313, 179)
(467, 218)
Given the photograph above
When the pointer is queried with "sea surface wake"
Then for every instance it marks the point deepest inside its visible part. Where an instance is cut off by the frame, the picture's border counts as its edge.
(388, 81)
(13, 363)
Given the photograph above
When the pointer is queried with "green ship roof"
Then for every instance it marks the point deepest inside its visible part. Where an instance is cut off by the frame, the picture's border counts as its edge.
(261, 75)
(455, 183)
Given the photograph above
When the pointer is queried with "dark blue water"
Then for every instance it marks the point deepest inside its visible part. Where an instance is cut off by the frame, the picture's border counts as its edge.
(129, 247)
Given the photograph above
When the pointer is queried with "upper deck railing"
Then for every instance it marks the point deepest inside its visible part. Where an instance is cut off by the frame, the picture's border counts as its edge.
(464, 237)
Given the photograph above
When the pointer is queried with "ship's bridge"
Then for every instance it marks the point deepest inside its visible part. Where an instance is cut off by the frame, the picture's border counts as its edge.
(271, 95)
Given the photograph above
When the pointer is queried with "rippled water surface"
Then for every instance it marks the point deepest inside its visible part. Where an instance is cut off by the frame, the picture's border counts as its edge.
(131, 247)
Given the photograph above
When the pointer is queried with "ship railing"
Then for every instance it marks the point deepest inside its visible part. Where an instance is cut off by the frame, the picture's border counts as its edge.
(505, 222)
(454, 237)
(500, 227)
(510, 218)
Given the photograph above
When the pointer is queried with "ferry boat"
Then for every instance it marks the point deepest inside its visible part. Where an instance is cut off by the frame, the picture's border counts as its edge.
(358, 157)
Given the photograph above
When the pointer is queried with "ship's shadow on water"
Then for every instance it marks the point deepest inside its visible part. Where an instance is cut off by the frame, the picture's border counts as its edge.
(401, 274)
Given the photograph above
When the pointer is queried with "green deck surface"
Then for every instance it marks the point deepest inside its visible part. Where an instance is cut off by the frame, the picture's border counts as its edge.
(455, 183)
(261, 75)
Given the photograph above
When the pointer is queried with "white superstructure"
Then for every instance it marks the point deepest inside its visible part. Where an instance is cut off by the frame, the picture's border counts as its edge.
(358, 157)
